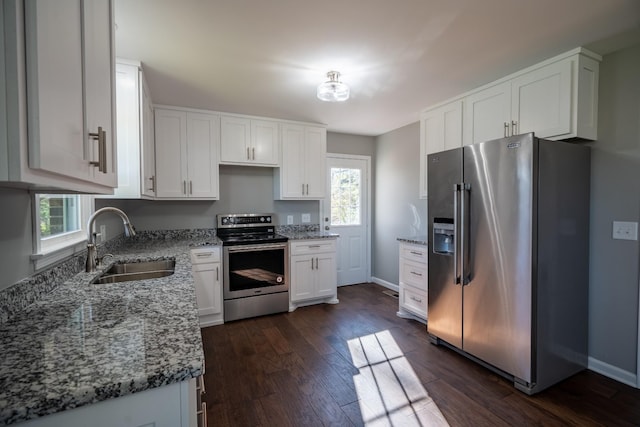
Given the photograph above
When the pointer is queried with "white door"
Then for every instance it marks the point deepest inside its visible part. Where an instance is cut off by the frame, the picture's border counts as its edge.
(345, 211)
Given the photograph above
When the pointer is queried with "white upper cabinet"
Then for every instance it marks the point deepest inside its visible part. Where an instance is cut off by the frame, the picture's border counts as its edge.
(136, 154)
(440, 129)
(246, 141)
(302, 172)
(557, 99)
(187, 144)
(59, 64)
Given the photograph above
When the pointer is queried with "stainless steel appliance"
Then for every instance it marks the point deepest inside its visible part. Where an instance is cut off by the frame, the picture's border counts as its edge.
(256, 262)
(508, 265)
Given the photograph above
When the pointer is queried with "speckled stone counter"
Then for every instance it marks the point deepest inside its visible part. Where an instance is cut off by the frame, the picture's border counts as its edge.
(309, 235)
(416, 240)
(83, 343)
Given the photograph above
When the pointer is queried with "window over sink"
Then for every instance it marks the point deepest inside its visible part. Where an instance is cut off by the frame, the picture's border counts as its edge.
(59, 226)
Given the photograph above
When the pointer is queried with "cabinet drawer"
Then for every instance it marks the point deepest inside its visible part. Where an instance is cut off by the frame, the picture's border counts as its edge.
(415, 253)
(414, 301)
(413, 274)
(205, 255)
(303, 247)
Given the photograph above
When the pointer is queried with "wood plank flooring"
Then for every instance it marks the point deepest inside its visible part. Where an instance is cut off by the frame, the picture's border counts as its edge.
(356, 363)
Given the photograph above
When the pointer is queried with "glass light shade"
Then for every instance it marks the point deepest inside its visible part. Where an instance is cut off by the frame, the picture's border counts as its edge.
(333, 90)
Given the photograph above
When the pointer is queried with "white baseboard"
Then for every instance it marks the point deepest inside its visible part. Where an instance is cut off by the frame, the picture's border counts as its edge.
(386, 284)
(613, 372)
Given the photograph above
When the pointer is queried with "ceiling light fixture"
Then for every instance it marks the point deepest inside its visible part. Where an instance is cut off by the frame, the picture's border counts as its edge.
(333, 90)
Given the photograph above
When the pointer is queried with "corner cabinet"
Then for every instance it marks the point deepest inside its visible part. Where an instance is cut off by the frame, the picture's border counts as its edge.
(245, 141)
(556, 100)
(440, 129)
(313, 272)
(302, 174)
(187, 143)
(413, 282)
(207, 275)
(59, 69)
(136, 152)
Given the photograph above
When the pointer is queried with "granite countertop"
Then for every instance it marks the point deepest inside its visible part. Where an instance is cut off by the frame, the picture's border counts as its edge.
(308, 235)
(416, 240)
(83, 343)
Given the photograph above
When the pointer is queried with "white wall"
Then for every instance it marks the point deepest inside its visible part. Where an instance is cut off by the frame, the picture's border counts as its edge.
(398, 210)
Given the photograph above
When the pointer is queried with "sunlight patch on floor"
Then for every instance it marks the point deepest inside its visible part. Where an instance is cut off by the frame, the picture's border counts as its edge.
(389, 391)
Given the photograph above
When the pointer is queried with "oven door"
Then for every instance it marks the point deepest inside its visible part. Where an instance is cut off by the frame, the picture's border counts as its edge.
(252, 270)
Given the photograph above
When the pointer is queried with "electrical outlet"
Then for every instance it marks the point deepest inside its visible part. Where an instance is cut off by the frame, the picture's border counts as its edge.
(103, 233)
(306, 218)
(623, 230)
(289, 219)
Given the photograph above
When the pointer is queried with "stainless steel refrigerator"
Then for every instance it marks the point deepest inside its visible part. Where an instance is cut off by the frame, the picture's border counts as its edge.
(508, 259)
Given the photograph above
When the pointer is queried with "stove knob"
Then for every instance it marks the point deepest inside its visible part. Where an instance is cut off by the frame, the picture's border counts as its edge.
(269, 219)
(261, 219)
(232, 220)
(224, 220)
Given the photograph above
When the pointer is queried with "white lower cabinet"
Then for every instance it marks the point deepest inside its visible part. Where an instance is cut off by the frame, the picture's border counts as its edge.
(173, 405)
(313, 272)
(207, 275)
(413, 281)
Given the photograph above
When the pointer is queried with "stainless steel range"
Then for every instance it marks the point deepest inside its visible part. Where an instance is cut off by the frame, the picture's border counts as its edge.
(256, 261)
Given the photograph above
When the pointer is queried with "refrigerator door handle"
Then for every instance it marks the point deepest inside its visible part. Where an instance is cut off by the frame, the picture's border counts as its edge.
(464, 236)
(456, 276)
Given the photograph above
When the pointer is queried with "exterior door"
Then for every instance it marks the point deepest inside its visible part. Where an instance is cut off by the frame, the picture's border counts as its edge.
(345, 211)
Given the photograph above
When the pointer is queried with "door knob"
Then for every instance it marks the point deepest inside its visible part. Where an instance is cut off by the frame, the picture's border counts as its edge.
(326, 227)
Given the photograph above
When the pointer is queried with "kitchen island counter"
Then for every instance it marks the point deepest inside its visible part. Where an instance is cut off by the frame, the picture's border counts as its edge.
(83, 343)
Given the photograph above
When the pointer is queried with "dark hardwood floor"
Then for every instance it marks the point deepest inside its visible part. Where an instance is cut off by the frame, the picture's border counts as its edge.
(357, 363)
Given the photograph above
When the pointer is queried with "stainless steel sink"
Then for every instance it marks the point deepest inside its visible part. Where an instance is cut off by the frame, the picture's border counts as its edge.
(128, 271)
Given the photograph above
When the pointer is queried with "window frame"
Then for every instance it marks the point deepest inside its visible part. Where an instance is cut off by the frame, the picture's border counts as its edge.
(49, 250)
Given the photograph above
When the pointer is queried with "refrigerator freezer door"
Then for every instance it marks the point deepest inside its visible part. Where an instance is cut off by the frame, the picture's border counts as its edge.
(444, 296)
(498, 298)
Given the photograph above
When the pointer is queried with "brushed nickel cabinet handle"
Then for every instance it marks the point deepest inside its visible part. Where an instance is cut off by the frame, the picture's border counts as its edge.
(506, 129)
(307, 189)
(190, 187)
(100, 136)
(514, 127)
(254, 152)
(303, 189)
(153, 183)
(184, 187)
(248, 157)
(416, 299)
(416, 253)
(217, 277)
(416, 274)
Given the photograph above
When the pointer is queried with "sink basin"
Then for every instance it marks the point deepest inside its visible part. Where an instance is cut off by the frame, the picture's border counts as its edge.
(129, 271)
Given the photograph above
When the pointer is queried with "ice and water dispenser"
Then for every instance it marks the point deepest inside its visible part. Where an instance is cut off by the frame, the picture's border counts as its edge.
(443, 236)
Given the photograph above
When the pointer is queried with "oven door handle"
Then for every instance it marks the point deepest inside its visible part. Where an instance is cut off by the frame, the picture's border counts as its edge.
(252, 248)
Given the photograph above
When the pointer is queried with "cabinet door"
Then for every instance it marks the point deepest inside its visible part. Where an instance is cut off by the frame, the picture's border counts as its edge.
(148, 154)
(486, 113)
(55, 110)
(99, 72)
(326, 280)
(302, 278)
(207, 284)
(541, 101)
(128, 131)
(171, 153)
(315, 171)
(293, 161)
(264, 142)
(440, 129)
(235, 138)
(203, 132)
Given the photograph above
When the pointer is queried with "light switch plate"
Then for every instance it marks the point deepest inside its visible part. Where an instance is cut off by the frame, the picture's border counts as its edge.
(306, 218)
(624, 230)
(289, 219)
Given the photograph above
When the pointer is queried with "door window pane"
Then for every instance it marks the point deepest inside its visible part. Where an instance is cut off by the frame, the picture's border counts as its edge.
(345, 196)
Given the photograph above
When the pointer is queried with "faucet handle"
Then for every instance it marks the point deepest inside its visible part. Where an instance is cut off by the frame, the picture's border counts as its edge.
(100, 261)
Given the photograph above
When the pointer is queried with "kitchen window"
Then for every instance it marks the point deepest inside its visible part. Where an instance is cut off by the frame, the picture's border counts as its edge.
(60, 226)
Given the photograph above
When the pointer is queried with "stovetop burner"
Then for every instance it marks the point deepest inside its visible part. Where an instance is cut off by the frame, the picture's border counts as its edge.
(245, 229)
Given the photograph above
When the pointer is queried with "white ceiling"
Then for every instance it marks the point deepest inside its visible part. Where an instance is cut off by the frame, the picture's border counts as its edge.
(266, 57)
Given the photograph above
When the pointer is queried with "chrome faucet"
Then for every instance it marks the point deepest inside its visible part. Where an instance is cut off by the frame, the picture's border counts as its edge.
(92, 255)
